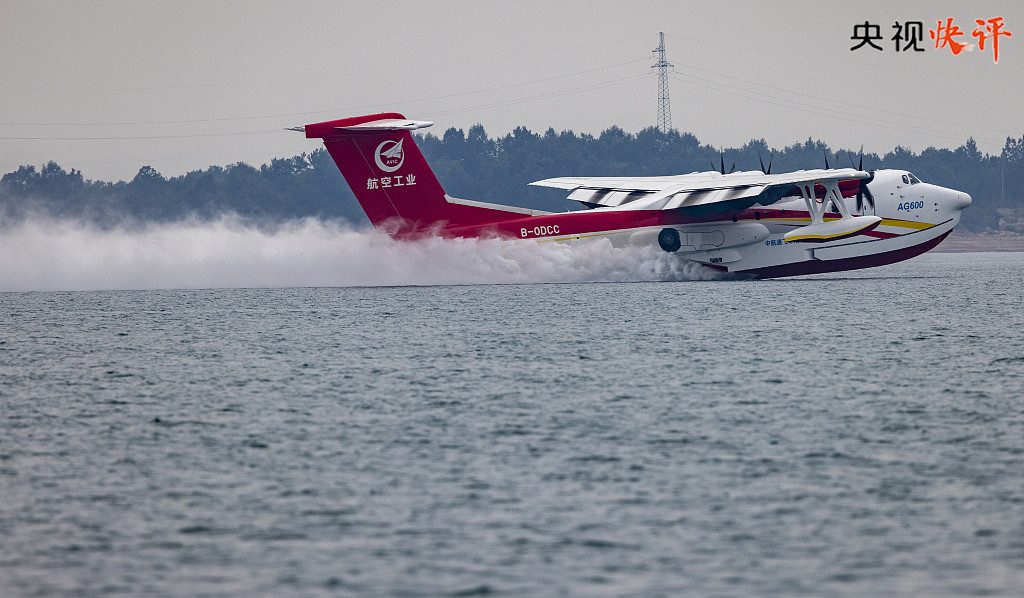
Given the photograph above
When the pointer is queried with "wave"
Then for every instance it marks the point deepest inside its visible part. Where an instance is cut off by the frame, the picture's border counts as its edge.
(42, 255)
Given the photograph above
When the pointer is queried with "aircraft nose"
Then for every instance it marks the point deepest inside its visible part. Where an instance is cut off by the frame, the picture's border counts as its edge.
(965, 199)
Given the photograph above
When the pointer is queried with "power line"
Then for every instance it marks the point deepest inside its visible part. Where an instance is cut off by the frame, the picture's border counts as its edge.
(820, 111)
(331, 110)
(533, 98)
(831, 100)
(543, 96)
(129, 137)
(761, 51)
(322, 77)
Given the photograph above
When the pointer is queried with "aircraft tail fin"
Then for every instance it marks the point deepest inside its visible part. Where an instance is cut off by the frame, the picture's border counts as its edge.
(391, 179)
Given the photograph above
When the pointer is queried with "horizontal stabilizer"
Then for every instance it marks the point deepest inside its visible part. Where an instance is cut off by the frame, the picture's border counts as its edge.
(388, 124)
(362, 125)
(833, 230)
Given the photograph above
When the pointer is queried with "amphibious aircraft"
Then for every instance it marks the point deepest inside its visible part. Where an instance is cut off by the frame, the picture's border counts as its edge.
(751, 222)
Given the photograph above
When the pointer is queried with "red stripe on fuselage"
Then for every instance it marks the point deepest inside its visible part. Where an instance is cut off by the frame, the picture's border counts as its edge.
(590, 222)
(572, 224)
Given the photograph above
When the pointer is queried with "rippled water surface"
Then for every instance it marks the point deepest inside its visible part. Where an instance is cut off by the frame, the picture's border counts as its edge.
(854, 434)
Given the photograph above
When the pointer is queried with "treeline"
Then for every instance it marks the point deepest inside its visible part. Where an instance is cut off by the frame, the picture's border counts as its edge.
(308, 185)
(474, 166)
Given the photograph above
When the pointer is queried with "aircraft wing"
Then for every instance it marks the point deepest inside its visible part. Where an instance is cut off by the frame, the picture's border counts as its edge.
(696, 190)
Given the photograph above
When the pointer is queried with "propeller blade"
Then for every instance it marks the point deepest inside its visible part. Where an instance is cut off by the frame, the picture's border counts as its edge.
(861, 165)
(863, 193)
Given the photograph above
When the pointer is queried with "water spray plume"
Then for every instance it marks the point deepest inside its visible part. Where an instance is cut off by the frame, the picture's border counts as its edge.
(49, 256)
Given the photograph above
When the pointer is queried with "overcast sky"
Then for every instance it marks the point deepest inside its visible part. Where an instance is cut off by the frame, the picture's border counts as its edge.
(107, 87)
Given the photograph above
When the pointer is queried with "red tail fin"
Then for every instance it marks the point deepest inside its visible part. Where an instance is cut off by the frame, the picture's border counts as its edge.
(392, 181)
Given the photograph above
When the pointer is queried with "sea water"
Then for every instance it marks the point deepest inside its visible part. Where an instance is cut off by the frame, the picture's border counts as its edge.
(851, 434)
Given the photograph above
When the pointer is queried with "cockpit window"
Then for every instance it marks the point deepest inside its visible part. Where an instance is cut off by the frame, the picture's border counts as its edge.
(905, 180)
(913, 179)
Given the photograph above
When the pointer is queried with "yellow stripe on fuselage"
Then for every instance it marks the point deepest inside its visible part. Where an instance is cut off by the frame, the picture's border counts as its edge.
(885, 222)
(797, 239)
(905, 223)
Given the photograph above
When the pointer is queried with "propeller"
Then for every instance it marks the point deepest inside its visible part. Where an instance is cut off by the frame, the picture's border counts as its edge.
(721, 166)
(863, 193)
(771, 156)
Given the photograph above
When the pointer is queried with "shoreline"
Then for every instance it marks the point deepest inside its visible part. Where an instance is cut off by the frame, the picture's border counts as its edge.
(960, 241)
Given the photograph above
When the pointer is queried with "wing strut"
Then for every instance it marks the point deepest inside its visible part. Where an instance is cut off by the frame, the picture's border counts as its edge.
(819, 231)
(818, 207)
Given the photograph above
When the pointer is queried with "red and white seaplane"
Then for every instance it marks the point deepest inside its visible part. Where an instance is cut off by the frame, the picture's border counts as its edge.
(755, 223)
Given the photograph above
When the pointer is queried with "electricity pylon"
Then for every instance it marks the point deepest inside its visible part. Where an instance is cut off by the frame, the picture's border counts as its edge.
(664, 108)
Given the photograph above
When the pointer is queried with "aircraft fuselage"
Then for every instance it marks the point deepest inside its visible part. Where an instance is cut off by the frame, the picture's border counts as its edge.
(915, 215)
(766, 225)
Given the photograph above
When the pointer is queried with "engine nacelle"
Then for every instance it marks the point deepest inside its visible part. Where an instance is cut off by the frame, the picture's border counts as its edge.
(701, 237)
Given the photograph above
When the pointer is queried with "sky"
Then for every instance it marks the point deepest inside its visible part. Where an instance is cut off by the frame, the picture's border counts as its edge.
(107, 87)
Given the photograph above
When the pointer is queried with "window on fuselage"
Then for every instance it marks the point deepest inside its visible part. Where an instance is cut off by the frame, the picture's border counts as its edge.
(913, 179)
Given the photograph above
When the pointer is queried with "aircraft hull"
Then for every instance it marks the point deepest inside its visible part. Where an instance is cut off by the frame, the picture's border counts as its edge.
(881, 257)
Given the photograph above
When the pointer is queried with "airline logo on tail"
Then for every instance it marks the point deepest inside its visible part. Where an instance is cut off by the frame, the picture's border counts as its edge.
(389, 155)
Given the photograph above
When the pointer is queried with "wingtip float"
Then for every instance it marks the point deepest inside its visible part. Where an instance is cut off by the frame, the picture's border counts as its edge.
(751, 222)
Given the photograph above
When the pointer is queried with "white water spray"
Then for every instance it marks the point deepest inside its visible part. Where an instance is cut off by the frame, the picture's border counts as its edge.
(42, 255)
